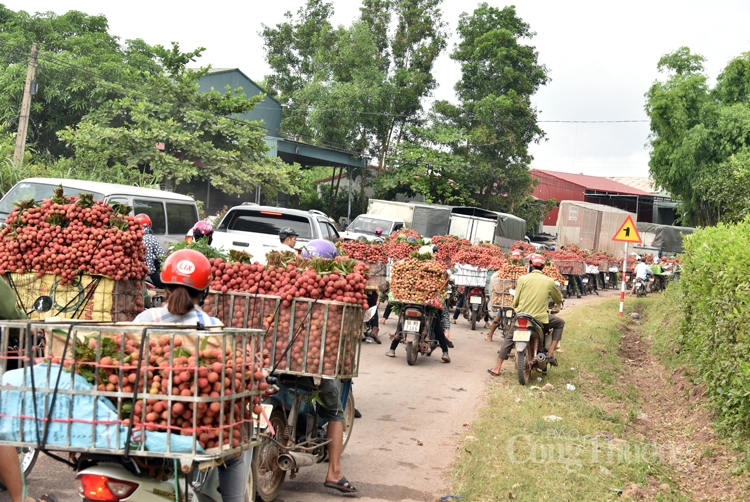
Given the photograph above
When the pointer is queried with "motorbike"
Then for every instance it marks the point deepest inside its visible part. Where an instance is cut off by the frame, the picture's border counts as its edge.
(111, 478)
(294, 436)
(28, 456)
(415, 330)
(475, 305)
(640, 287)
(531, 343)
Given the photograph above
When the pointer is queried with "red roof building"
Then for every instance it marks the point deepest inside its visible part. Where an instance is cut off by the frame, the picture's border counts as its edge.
(594, 189)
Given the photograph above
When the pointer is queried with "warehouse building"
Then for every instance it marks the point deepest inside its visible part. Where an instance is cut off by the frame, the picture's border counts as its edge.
(650, 206)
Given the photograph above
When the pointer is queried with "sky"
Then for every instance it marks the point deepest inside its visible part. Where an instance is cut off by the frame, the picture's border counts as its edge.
(601, 57)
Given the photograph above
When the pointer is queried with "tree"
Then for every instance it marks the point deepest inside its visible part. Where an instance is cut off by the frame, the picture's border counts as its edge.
(78, 61)
(169, 130)
(499, 74)
(424, 163)
(355, 87)
(700, 137)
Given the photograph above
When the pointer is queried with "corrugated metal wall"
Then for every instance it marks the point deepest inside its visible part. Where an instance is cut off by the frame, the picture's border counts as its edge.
(553, 188)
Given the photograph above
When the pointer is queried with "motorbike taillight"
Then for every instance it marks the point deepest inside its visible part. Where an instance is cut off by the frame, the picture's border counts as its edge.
(412, 313)
(104, 489)
(522, 322)
(475, 292)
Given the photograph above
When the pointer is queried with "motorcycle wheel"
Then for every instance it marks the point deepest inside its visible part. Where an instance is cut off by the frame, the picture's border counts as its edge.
(474, 315)
(266, 472)
(411, 353)
(348, 420)
(523, 369)
(27, 457)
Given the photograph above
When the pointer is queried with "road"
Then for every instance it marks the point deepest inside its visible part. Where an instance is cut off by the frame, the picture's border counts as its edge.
(404, 444)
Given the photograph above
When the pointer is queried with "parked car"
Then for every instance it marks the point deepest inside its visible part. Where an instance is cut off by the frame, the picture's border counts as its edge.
(255, 229)
(172, 214)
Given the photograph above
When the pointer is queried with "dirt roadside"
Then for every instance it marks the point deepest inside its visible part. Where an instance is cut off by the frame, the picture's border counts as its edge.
(673, 416)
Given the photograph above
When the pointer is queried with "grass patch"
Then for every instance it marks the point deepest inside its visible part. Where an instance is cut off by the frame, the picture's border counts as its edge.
(513, 452)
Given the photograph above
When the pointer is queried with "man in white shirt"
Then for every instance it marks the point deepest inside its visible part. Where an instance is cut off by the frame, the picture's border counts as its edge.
(288, 238)
(642, 272)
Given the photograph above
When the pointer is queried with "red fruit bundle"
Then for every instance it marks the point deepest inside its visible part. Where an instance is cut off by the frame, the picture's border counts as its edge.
(448, 246)
(366, 251)
(482, 256)
(404, 233)
(194, 386)
(323, 338)
(342, 279)
(524, 247)
(66, 236)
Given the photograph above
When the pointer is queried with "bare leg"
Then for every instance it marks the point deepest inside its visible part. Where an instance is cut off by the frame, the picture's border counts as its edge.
(552, 347)
(10, 471)
(492, 329)
(498, 366)
(336, 435)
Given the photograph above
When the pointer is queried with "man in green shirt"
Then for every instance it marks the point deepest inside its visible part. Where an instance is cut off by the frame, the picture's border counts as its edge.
(532, 297)
(10, 467)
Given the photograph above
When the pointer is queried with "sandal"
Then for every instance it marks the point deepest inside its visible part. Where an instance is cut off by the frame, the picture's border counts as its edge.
(493, 373)
(487, 338)
(47, 497)
(450, 345)
(343, 485)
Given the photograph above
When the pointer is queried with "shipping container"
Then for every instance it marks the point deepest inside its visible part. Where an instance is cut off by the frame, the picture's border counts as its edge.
(591, 226)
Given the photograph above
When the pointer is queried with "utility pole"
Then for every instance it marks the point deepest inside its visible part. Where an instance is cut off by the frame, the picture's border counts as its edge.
(23, 120)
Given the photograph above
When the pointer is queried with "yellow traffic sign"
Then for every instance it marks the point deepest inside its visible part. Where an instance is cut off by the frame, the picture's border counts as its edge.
(627, 232)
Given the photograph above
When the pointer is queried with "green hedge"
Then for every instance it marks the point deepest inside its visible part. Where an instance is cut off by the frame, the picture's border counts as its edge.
(715, 335)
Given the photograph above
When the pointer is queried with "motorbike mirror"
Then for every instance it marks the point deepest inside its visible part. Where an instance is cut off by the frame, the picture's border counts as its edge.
(369, 313)
(43, 304)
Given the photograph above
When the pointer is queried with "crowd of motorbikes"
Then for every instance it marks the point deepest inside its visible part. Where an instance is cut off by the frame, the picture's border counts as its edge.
(294, 435)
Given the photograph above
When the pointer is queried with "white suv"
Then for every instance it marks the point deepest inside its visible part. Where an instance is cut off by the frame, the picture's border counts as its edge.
(255, 228)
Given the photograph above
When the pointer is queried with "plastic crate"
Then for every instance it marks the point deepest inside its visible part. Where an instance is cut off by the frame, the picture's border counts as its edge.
(467, 275)
(125, 389)
(316, 330)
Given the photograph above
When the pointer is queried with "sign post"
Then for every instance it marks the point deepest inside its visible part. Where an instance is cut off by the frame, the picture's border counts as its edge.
(627, 233)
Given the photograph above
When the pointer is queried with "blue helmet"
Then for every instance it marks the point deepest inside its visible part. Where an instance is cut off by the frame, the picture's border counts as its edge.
(320, 248)
(411, 239)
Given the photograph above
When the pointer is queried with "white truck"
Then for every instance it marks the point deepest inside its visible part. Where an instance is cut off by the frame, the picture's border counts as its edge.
(427, 219)
(480, 225)
(364, 225)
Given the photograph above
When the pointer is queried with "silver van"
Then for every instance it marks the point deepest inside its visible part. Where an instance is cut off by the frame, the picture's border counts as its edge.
(172, 214)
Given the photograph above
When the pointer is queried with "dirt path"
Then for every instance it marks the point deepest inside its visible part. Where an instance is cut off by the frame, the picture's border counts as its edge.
(673, 416)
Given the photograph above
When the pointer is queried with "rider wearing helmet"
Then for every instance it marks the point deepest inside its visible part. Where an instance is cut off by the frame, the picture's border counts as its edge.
(532, 297)
(378, 232)
(331, 391)
(320, 248)
(411, 239)
(203, 230)
(288, 238)
(187, 276)
(154, 251)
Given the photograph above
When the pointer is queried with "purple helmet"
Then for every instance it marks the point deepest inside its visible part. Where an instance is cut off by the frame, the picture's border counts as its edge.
(203, 229)
(321, 248)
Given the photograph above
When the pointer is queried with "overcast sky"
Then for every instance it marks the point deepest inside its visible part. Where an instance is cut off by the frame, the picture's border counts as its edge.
(601, 55)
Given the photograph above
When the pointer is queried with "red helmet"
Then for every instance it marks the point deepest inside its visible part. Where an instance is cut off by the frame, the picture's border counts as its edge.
(143, 219)
(537, 260)
(187, 267)
(516, 254)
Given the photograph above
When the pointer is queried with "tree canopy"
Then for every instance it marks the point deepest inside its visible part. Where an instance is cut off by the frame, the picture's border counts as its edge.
(700, 137)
